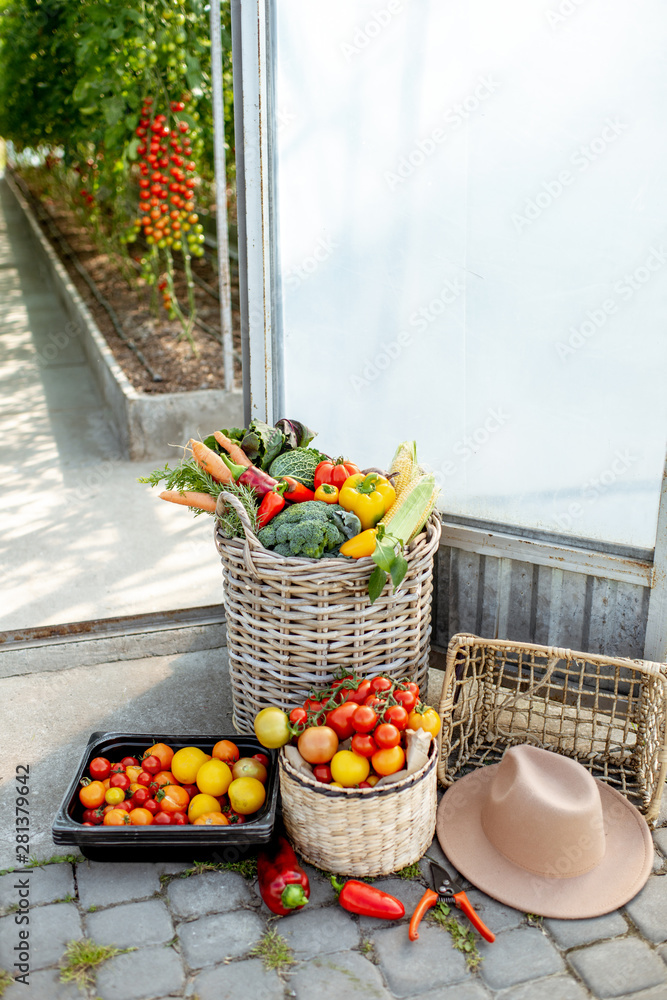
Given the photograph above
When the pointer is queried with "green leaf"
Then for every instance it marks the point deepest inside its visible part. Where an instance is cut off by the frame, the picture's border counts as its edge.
(376, 583)
(132, 148)
(113, 109)
(398, 569)
(384, 555)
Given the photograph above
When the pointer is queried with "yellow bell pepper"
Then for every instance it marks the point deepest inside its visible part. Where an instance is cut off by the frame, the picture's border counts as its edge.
(361, 545)
(327, 493)
(369, 497)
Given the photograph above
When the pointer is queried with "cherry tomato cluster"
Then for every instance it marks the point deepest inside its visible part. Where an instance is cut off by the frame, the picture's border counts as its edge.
(373, 714)
(175, 788)
(167, 184)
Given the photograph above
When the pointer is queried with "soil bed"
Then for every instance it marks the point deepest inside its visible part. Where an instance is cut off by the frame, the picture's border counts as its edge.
(161, 341)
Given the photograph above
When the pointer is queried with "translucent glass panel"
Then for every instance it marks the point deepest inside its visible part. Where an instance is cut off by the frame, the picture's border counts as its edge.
(472, 219)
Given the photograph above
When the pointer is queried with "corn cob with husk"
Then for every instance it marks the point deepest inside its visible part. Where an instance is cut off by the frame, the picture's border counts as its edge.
(404, 468)
(412, 509)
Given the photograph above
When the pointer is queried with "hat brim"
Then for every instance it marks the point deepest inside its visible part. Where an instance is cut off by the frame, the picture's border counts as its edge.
(620, 875)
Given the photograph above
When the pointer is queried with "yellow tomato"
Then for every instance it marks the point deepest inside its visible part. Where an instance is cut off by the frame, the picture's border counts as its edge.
(186, 762)
(211, 819)
(349, 768)
(272, 727)
(114, 795)
(428, 720)
(246, 795)
(133, 773)
(214, 777)
(200, 804)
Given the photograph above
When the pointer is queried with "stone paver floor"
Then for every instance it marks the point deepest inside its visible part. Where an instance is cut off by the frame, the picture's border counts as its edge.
(196, 934)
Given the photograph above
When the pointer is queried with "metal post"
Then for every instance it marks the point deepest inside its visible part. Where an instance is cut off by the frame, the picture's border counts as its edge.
(655, 647)
(221, 195)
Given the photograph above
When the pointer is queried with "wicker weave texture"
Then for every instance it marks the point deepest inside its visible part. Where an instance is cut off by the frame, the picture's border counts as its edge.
(360, 832)
(608, 713)
(292, 622)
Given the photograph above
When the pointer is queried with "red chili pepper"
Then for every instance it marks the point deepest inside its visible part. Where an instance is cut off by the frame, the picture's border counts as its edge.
(283, 883)
(271, 505)
(359, 897)
(296, 491)
(256, 479)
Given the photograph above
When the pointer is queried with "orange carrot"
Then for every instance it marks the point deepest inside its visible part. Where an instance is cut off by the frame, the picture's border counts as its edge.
(235, 453)
(210, 462)
(203, 501)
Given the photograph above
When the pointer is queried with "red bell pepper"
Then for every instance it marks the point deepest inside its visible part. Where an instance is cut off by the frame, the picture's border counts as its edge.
(283, 884)
(335, 472)
(359, 897)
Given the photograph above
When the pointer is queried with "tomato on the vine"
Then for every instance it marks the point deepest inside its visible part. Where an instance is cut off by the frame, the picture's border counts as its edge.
(397, 715)
(406, 699)
(298, 716)
(381, 684)
(341, 719)
(386, 736)
(364, 744)
(364, 719)
(362, 692)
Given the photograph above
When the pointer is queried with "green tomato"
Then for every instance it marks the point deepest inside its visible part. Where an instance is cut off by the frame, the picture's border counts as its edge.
(272, 727)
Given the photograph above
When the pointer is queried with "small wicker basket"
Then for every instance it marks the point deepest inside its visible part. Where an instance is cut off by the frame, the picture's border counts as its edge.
(356, 831)
(608, 713)
(292, 622)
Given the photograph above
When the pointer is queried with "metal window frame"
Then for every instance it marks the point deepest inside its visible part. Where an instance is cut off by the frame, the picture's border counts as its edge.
(252, 51)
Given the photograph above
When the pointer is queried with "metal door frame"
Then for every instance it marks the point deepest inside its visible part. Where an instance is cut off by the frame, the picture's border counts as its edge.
(262, 340)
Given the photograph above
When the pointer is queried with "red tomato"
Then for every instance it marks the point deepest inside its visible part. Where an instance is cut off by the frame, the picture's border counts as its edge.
(364, 719)
(406, 699)
(152, 806)
(298, 716)
(93, 816)
(99, 768)
(151, 764)
(129, 762)
(381, 684)
(226, 751)
(361, 693)
(375, 703)
(120, 781)
(398, 716)
(179, 819)
(364, 745)
(191, 790)
(262, 758)
(318, 744)
(125, 804)
(341, 719)
(387, 736)
(322, 772)
(335, 472)
(232, 816)
(414, 688)
(140, 797)
(162, 819)
(117, 769)
(144, 778)
(312, 706)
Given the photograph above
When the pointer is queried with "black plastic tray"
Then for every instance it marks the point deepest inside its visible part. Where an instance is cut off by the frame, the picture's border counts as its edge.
(163, 843)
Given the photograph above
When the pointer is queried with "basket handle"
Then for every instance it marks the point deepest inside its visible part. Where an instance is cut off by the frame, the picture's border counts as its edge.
(251, 539)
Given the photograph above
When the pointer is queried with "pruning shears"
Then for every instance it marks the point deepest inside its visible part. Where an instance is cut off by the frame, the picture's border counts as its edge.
(447, 890)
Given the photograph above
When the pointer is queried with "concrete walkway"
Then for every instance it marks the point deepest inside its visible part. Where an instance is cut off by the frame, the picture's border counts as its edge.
(80, 539)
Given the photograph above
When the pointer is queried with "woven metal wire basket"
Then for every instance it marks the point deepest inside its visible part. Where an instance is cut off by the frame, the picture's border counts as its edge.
(364, 832)
(292, 622)
(608, 713)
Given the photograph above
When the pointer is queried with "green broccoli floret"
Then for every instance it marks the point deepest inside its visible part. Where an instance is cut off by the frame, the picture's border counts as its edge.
(311, 529)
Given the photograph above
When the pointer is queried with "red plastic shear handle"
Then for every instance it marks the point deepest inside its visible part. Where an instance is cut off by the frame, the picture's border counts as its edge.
(428, 900)
(464, 904)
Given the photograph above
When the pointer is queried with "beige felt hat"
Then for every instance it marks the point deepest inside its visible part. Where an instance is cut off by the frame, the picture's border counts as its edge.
(539, 833)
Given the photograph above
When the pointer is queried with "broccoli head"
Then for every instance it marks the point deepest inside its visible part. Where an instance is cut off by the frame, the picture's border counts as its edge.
(311, 529)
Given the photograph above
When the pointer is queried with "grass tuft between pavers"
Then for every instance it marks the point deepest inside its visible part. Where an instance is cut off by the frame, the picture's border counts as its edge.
(56, 859)
(6, 980)
(463, 938)
(274, 951)
(82, 957)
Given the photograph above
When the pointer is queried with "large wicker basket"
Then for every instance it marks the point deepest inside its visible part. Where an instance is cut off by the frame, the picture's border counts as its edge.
(608, 713)
(363, 832)
(292, 622)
